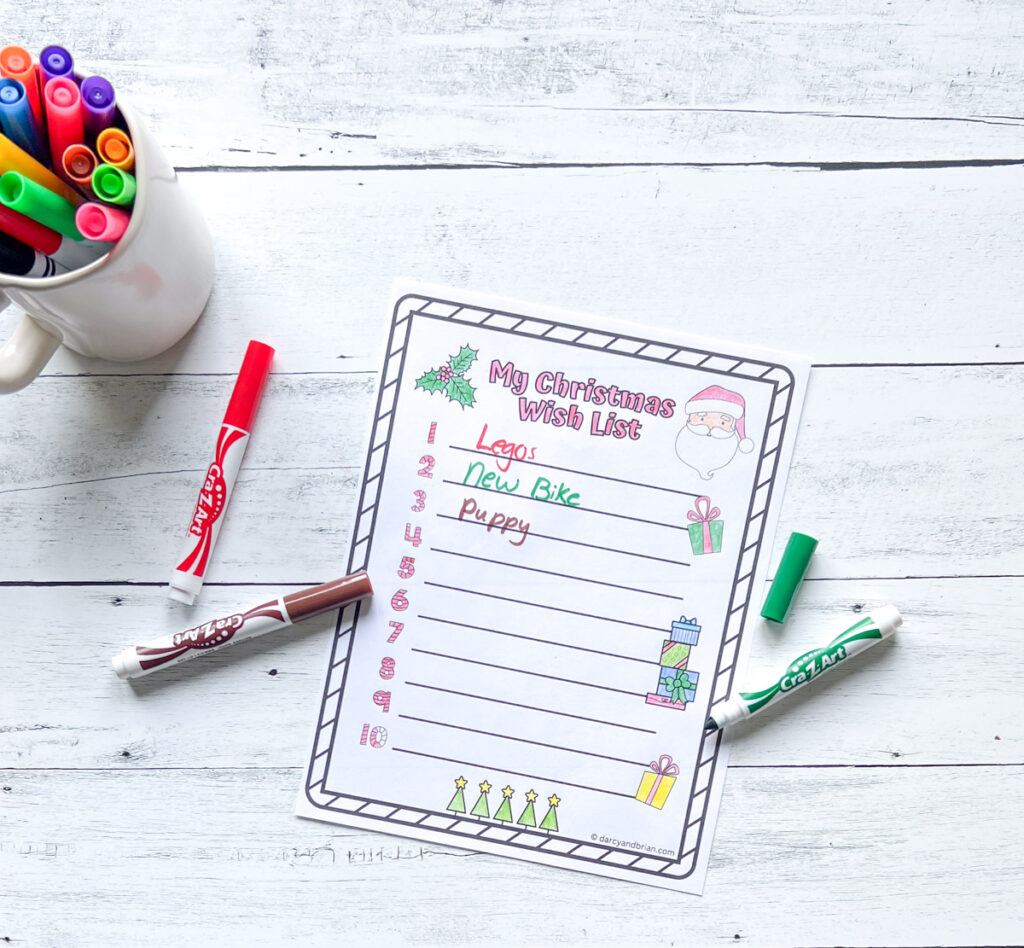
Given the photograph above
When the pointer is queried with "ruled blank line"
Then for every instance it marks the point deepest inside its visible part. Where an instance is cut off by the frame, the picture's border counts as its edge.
(548, 572)
(572, 470)
(530, 638)
(527, 707)
(540, 605)
(523, 671)
(515, 773)
(523, 740)
(592, 546)
(593, 510)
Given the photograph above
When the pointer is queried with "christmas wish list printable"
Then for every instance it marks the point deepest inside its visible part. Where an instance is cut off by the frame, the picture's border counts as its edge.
(567, 523)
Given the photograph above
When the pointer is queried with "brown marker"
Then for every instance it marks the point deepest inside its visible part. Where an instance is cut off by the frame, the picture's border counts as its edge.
(283, 611)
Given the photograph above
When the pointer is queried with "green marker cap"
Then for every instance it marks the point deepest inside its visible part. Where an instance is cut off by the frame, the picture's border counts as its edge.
(788, 577)
(113, 185)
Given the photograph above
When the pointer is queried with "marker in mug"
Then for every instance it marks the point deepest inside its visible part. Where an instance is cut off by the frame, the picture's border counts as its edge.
(188, 576)
(115, 148)
(62, 102)
(99, 222)
(809, 666)
(16, 63)
(97, 104)
(269, 616)
(18, 120)
(20, 259)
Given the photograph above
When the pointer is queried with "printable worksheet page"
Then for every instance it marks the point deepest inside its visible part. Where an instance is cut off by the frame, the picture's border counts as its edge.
(567, 524)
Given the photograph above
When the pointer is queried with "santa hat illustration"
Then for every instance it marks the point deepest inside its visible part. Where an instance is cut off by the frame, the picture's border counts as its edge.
(716, 398)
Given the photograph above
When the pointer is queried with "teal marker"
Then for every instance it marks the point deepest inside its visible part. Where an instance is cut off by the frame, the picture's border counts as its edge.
(809, 666)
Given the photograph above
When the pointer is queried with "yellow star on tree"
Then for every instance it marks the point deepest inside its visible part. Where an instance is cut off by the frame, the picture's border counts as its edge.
(553, 800)
(507, 792)
(461, 783)
(485, 787)
(531, 796)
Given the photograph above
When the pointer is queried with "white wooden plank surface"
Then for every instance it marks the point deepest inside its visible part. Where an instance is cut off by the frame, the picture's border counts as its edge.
(118, 461)
(396, 82)
(878, 267)
(912, 701)
(884, 808)
(809, 856)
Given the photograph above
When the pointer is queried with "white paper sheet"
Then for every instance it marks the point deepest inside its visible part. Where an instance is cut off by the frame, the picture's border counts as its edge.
(567, 523)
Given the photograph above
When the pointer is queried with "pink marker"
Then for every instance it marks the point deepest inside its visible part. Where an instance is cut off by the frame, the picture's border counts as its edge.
(63, 103)
(215, 493)
(101, 221)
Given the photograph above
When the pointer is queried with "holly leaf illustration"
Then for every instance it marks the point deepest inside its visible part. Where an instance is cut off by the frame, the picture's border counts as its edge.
(465, 358)
(430, 381)
(459, 390)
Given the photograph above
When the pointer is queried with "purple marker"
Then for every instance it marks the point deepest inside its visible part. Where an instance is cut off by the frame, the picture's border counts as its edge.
(56, 61)
(97, 104)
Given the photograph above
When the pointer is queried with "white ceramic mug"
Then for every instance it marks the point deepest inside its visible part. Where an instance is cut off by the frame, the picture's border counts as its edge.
(132, 303)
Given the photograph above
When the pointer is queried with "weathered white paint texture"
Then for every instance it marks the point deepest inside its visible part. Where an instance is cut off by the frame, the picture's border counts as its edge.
(817, 176)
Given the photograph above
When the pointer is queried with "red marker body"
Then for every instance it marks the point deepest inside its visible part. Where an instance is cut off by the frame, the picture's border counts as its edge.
(188, 576)
(63, 104)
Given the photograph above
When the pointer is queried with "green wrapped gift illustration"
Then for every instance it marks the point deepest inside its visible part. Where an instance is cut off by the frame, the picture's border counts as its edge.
(706, 529)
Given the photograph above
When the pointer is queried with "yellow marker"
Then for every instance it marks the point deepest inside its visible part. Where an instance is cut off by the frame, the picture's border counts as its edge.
(12, 158)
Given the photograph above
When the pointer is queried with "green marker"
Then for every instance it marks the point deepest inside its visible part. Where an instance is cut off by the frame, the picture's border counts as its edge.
(807, 667)
(23, 195)
(113, 185)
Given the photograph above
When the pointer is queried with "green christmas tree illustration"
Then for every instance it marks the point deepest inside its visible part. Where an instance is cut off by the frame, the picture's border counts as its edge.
(550, 821)
(480, 808)
(528, 817)
(457, 804)
(450, 378)
(504, 813)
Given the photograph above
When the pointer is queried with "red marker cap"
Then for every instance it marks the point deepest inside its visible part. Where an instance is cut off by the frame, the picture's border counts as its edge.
(252, 376)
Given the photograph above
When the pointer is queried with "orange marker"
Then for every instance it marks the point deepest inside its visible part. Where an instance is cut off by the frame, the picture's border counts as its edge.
(78, 163)
(16, 63)
(114, 147)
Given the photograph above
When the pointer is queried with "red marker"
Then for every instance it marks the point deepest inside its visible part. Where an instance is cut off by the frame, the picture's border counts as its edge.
(215, 493)
(63, 103)
(28, 231)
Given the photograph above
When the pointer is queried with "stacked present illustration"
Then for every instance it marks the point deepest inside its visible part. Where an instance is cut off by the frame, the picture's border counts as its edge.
(677, 686)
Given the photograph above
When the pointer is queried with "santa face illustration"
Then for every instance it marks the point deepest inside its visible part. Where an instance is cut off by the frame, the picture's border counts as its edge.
(714, 431)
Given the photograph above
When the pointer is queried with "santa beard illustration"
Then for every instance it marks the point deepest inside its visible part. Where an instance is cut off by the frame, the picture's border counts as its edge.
(706, 449)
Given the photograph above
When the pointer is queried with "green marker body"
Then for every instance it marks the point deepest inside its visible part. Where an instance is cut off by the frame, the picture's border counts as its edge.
(113, 185)
(808, 667)
(23, 195)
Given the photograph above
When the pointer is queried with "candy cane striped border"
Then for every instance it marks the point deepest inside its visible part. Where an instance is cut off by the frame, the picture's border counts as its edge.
(466, 830)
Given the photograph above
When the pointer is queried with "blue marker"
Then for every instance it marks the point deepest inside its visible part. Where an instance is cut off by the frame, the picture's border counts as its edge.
(56, 61)
(18, 120)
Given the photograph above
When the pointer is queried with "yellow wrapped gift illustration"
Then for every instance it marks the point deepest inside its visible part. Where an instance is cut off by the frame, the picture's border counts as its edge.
(657, 783)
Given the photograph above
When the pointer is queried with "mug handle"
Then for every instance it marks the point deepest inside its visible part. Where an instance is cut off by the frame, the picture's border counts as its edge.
(26, 353)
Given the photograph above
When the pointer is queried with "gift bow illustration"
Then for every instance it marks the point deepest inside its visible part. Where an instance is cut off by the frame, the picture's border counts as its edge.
(664, 767)
(676, 687)
(703, 513)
